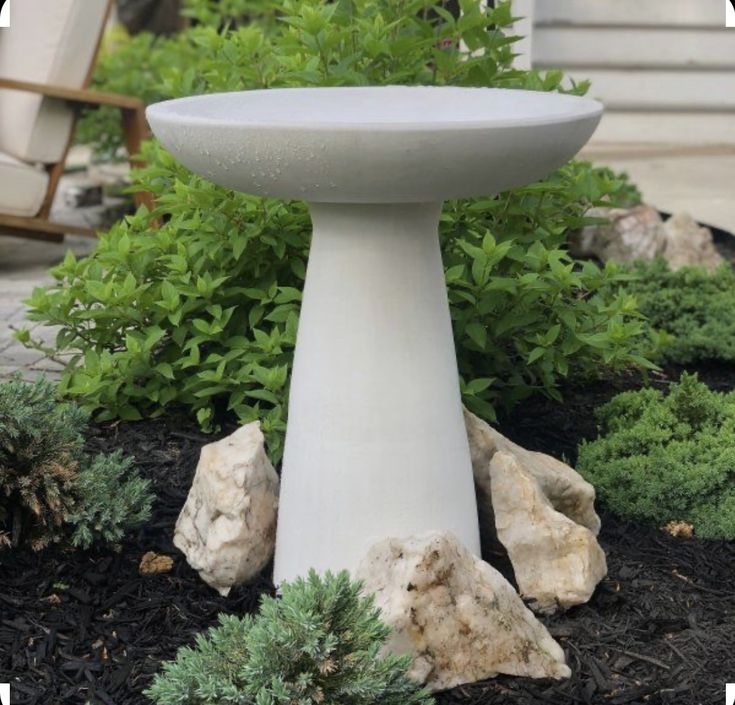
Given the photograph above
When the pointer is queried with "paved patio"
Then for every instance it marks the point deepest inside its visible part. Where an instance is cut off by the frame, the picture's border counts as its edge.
(24, 265)
(697, 180)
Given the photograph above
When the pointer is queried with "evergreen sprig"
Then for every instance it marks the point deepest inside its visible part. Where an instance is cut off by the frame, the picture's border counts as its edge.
(110, 498)
(319, 644)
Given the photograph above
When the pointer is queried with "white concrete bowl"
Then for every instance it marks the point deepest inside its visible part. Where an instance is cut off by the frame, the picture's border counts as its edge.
(390, 144)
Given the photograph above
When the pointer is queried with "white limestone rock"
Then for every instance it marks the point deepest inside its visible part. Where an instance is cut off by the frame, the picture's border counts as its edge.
(566, 489)
(689, 244)
(631, 234)
(557, 563)
(542, 512)
(227, 527)
(459, 617)
(640, 233)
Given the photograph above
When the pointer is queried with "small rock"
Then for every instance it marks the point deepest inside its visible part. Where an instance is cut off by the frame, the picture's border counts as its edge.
(542, 512)
(679, 529)
(153, 563)
(688, 244)
(227, 527)
(459, 617)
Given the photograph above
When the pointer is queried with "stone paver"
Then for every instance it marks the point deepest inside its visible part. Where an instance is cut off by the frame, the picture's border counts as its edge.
(24, 265)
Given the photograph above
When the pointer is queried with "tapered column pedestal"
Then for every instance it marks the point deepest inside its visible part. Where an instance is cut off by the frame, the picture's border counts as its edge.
(376, 444)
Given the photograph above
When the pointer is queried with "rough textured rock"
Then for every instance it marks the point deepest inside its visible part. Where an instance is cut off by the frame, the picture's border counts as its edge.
(557, 562)
(227, 527)
(689, 244)
(633, 233)
(153, 563)
(640, 233)
(543, 513)
(458, 616)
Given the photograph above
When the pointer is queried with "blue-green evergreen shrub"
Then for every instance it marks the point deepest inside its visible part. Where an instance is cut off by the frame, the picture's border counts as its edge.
(319, 644)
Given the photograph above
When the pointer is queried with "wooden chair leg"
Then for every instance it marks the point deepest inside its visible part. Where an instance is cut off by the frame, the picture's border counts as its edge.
(41, 228)
(31, 234)
(135, 129)
(55, 172)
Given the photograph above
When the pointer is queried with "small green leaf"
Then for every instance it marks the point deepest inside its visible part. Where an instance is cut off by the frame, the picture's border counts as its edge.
(477, 333)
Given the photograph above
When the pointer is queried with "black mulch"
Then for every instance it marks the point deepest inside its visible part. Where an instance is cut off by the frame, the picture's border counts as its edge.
(87, 628)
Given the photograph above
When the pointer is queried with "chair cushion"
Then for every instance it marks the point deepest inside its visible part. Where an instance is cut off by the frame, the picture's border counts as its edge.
(22, 187)
(47, 42)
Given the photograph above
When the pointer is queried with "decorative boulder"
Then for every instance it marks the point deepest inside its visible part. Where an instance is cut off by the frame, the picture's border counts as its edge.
(227, 527)
(459, 617)
(689, 244)
(640, 233)
(631, 234)
(543, 513)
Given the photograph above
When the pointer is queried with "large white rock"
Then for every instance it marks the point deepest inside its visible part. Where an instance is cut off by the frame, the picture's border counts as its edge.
(557, 563)
(227, 527)
(542, 511)
(459, 617)
(640, 233)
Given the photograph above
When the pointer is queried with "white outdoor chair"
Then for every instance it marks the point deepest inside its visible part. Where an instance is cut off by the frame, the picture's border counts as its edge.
(47, 57)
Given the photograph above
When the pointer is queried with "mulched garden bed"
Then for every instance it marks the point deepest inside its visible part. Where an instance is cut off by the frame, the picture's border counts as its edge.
(86, 627)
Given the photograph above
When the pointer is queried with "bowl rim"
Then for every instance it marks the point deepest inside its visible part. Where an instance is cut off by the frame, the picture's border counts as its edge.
(163, 112)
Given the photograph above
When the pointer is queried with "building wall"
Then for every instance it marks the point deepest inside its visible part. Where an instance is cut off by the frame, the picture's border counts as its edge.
(669, 63)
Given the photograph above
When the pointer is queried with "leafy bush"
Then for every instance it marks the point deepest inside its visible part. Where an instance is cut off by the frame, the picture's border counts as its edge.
(201, 312)
(149, 67)
(695, 307)
(48, 486)
(319, 643)
(667, 458)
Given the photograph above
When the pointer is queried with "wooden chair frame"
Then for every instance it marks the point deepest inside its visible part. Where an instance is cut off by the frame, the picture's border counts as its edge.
(135, 129)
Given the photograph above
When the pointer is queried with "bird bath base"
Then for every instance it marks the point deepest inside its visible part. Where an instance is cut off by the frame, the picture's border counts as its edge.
(376, 443)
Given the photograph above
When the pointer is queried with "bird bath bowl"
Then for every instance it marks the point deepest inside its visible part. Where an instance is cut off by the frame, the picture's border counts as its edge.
(376, 443)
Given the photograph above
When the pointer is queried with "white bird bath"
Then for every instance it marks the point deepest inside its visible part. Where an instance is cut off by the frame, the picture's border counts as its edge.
(376, 443)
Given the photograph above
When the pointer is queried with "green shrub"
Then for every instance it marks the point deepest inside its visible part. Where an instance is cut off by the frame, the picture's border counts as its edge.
(40, 447)
(667, 458)
(201, 312)
(48, 487)
(318, 644)
(695, 307)
(111, 497)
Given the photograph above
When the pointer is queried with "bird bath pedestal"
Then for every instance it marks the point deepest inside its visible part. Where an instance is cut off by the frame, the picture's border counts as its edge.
(376, 443)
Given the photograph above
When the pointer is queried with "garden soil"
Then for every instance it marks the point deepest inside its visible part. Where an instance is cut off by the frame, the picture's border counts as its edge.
(87, 627)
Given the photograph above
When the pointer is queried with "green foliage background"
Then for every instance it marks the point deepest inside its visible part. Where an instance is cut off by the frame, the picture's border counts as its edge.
(319, 643)
(201, 313)
(667, 458)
